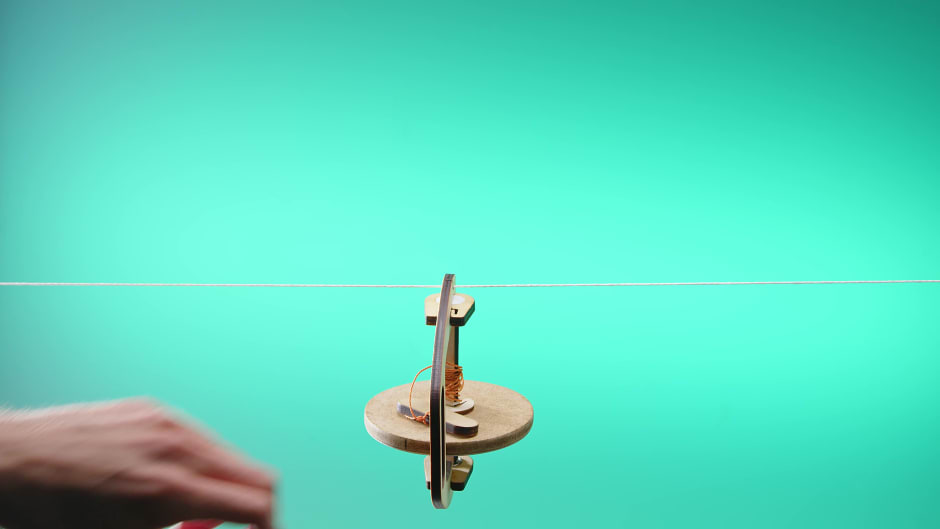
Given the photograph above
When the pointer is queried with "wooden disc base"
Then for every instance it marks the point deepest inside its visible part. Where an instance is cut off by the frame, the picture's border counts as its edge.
(505, 417)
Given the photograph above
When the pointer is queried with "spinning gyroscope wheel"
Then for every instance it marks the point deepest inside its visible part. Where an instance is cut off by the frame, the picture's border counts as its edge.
(448, 418)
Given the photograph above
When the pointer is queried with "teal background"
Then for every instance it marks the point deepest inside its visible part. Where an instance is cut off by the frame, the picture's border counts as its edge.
(391, 142)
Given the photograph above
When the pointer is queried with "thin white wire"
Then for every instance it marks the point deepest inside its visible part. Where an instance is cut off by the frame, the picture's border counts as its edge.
(510, 285)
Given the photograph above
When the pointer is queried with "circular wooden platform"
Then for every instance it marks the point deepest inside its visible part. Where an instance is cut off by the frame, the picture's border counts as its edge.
(505, 417)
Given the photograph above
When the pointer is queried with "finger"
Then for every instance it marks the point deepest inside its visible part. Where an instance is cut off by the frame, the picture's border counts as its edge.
(217, 459)
(191, 496)
(200, 456)
(215, 462)
(182, 440)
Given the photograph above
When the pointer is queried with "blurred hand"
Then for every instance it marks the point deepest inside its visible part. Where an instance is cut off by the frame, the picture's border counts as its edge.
(127, 464)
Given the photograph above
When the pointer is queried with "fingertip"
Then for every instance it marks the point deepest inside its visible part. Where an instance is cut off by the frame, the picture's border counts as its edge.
(221, 500)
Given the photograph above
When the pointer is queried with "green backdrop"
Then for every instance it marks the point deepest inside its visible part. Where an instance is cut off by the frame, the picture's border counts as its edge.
(391, 142)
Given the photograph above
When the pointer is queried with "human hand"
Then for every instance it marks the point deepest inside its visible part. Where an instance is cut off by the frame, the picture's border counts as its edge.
(128, 464)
